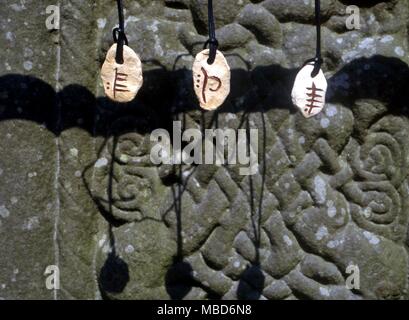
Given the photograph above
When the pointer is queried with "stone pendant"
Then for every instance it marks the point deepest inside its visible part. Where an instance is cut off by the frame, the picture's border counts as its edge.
(309, 93)
(122, 81)
(211, 81)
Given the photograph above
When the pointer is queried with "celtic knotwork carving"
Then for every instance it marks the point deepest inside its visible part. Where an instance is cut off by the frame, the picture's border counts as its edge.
(380, 168)
(125, 183)
(269, 235)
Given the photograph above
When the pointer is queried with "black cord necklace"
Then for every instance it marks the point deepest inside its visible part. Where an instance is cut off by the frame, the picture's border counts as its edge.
(121, 72)
(310, 85)
(318, 59)
(211, 72)
(119, 34)
(212, 42)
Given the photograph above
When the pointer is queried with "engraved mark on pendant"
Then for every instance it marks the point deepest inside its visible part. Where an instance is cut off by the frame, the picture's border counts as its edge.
(308, 92)
(211, 82)
(206, 81)
(119, 79)
(314, 98)
(122, 81)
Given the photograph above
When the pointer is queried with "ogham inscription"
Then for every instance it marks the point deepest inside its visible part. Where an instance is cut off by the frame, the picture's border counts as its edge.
(211, 81)
(122, 81)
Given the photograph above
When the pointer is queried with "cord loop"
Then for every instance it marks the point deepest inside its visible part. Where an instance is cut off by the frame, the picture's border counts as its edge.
(212, 42)
(119, 34)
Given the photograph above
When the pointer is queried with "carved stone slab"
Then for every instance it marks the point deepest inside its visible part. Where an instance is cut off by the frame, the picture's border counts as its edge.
(328, 206)
(308, 93)
(211, 82)
(122, 81)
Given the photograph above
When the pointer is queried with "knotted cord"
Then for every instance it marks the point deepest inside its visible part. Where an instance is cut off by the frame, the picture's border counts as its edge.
(119, 34)
(212, 42)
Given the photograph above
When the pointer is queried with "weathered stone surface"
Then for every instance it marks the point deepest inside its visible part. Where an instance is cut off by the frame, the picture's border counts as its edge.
(28, 154)
(134, 267)
(263, 24)
(300, 10)
(78, 189)
(232, 36)
(224, 12)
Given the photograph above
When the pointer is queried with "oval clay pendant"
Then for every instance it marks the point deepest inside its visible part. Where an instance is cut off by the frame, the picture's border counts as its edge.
(308, 93)
(211, 81)
(122, 81)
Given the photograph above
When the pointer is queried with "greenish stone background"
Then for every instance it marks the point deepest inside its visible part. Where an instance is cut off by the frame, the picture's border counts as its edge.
(78, 191)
